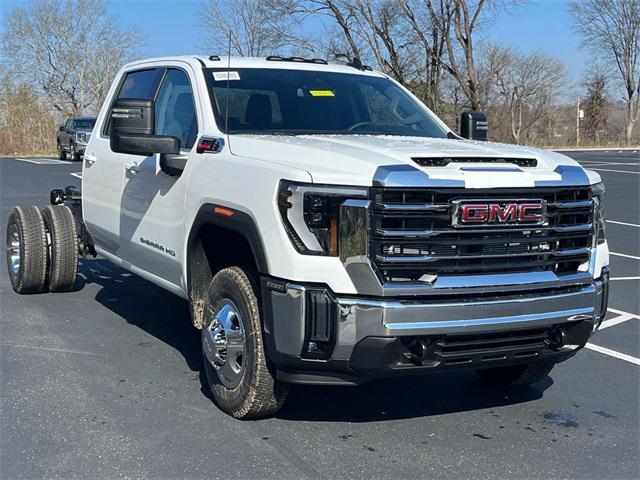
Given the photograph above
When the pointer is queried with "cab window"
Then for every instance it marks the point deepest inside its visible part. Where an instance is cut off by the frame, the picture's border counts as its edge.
(175, 112)
(141, 84)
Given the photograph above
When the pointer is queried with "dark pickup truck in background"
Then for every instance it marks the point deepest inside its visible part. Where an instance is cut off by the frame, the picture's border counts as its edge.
(73, 137)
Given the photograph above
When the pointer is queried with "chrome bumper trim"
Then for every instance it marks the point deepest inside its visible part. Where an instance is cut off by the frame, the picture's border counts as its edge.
(361, 317)
(567, 315)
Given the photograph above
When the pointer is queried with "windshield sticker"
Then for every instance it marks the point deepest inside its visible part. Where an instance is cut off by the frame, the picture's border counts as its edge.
(223, 76)
(322, 93)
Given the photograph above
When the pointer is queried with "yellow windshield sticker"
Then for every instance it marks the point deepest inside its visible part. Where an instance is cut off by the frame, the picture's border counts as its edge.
(322, 93)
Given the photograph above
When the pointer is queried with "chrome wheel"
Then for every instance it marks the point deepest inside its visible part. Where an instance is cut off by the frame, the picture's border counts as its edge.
(13, 246)
(223, 343)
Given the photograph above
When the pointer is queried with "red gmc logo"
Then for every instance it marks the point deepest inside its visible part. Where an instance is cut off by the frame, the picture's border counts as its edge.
(520, 212)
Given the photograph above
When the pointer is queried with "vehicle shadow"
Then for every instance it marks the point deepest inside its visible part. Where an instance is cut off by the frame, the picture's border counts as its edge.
(402, 398)
(144, 305)
(166, 317)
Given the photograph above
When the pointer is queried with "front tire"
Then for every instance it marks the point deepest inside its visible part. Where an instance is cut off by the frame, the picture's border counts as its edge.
(26, 250)
(238, 372)
(61, 154)
(517, 375)
(73, 154)
(63, 247)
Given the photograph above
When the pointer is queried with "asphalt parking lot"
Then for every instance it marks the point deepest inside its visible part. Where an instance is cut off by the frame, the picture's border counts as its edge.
(105, 382)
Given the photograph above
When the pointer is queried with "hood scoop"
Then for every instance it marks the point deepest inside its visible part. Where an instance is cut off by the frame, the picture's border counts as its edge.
(444, 161)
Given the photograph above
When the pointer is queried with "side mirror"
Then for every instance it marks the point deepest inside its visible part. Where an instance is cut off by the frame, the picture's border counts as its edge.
(132, 129)
(61, 128)
(474, 126)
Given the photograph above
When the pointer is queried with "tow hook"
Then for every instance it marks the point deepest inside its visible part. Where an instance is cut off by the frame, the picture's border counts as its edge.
(418, 352)
(557, 338)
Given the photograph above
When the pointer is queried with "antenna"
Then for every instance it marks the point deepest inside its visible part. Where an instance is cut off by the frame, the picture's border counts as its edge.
(226, 107)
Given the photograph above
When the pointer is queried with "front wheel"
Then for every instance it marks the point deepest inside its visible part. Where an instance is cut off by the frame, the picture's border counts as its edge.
(61, 154)
(73, 154)
(517, 375)
(238, 372)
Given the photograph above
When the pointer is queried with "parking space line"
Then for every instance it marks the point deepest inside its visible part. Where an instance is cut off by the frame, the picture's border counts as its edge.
(613, 353)
(616, 171)
(620, 312)
(43, 161)
(623, 255)
(615, 321)
(623, 223)
(625, 278)
(604, 163)
(77, 175)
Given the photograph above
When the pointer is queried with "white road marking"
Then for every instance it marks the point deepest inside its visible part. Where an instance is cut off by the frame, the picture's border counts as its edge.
(615, 321)
(588, 163)
(616, 171)
(77, 175)
(623, 255)
(625, 278)
(613, 353)
(620, 312)
(623, 223)
(43, 161)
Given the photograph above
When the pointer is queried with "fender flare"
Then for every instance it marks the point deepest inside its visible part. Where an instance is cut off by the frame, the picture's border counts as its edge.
(239, 222)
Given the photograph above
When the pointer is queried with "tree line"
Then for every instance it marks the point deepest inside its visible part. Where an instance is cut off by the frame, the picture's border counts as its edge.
(63, 63)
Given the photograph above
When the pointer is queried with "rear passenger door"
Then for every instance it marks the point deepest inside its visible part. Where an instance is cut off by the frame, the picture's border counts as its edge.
(152, 215)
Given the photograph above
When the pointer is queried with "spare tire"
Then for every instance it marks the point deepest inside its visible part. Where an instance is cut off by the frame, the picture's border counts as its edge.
(63, 247)
(27, 250)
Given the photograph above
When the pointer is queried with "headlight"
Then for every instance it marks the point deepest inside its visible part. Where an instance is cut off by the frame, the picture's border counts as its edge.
(311, 214)
(597, 193)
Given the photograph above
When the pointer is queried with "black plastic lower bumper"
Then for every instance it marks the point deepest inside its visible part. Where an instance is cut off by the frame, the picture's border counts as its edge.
(314, 336)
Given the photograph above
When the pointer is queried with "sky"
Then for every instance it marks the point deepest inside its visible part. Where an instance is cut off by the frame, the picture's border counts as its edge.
(171, 28)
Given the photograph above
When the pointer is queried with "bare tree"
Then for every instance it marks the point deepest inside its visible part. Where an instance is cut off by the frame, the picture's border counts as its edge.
(612, 29)
(252, 28)
(370, 30)
(431, 32)
(526, 84)
(378, 25)
(70, 58)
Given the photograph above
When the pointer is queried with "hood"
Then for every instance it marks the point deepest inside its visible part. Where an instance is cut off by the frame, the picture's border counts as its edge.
(358, 159)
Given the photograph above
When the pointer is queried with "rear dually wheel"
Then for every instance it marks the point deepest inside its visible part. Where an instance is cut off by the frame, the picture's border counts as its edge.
(62, 246)
(26, 244)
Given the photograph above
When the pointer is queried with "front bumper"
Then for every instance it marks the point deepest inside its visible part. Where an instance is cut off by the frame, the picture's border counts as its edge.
(315, 336)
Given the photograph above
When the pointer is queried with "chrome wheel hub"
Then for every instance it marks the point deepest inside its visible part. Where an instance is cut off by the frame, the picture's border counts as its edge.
(223, 343)
(13, 247)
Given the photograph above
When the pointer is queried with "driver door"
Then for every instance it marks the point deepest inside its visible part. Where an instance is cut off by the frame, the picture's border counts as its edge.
(152, 205)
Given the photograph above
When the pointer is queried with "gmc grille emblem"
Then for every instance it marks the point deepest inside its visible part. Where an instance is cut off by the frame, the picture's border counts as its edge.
(508, 212)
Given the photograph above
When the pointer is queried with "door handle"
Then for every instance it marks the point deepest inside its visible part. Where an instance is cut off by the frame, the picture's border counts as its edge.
(132, 167)
(90, 159)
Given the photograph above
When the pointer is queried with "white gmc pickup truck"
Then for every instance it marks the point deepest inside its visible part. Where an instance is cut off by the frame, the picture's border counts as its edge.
(326, 228)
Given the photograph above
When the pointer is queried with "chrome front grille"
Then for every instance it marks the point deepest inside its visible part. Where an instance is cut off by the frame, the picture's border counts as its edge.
(412, 233)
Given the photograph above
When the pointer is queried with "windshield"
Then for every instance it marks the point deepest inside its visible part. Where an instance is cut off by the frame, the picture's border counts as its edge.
(84, 123)
(277, 101)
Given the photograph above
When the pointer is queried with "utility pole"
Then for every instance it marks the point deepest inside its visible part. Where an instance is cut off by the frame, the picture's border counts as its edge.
(579, 115)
